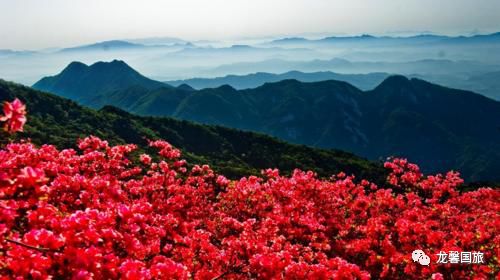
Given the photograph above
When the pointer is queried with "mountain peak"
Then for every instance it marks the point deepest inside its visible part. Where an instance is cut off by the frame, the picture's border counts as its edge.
(76, 64)
(186, 87)
(395, 81)
(116, 67)
(117, 61)
(113, 63)
(226, 88)
(81, 82)
(290, 40)
(398, 88)
(282, 83)
(104, 46)
(75, 67)
(241, 47)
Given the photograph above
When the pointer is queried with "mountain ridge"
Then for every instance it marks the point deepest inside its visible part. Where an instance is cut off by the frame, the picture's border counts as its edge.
(363, 81)
(437, 127)
(104, 46)
(413, 38)
(61, 122)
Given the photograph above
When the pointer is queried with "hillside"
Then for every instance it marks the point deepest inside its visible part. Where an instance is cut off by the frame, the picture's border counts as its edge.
(81, 82)
(437, 127)
(108, 212)
(433, 124)
(59, 121)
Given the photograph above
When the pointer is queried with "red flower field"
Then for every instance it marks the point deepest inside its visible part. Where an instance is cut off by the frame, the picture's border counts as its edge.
(106, 212)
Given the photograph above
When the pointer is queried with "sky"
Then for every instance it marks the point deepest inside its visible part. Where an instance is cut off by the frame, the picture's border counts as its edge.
(38, 24)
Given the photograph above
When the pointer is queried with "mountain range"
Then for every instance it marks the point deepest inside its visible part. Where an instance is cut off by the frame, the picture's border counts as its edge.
(300, 41)
(424, 66)
(105, 46)
(472, 75)
(437, 127)
(391, 40)
(61, 122)
(296, 41)
(362, 81)
(446, 60)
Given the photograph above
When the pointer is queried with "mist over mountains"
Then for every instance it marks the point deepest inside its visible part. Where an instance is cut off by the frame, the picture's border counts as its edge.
(421, 39)
(471, 62)
(471, 75)
(428, 97)
(437, 127)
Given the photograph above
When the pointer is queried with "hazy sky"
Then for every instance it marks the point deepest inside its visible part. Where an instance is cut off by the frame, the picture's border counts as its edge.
(33, 24)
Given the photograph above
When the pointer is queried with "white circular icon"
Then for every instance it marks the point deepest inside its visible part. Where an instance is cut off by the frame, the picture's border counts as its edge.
(417, 254)
(420, 257)
(424, 260)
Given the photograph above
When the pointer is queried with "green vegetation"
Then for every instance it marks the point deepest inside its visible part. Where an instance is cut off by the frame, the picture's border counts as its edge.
(436, 127)
(235, 153)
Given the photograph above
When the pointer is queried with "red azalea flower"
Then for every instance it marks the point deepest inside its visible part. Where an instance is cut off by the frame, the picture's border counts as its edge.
(14, 116)
(98, 214)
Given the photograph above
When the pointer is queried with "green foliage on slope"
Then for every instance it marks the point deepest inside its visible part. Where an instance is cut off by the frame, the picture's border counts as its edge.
(436, 127)
(235, 153)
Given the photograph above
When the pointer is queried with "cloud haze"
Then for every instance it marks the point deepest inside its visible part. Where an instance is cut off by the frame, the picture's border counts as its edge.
(32, 24)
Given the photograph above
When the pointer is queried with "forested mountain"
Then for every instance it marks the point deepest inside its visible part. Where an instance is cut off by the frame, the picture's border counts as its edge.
(62, 122)
(437, 127)
(81, 82)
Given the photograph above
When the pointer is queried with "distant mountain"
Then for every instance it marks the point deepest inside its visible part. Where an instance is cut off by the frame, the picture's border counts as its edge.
(488, 38)
(7, 52)
(58, 121)
(157, 41)
(456, 74)
(237, 50)
(362, 81)
(385, 40)
(389, 40)
(185, 87)
(489, 83)
(351, 38)
(362, 39)
(121, 47)
(82, 83)
(290, 40)
(339, 65)
(113, 45)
